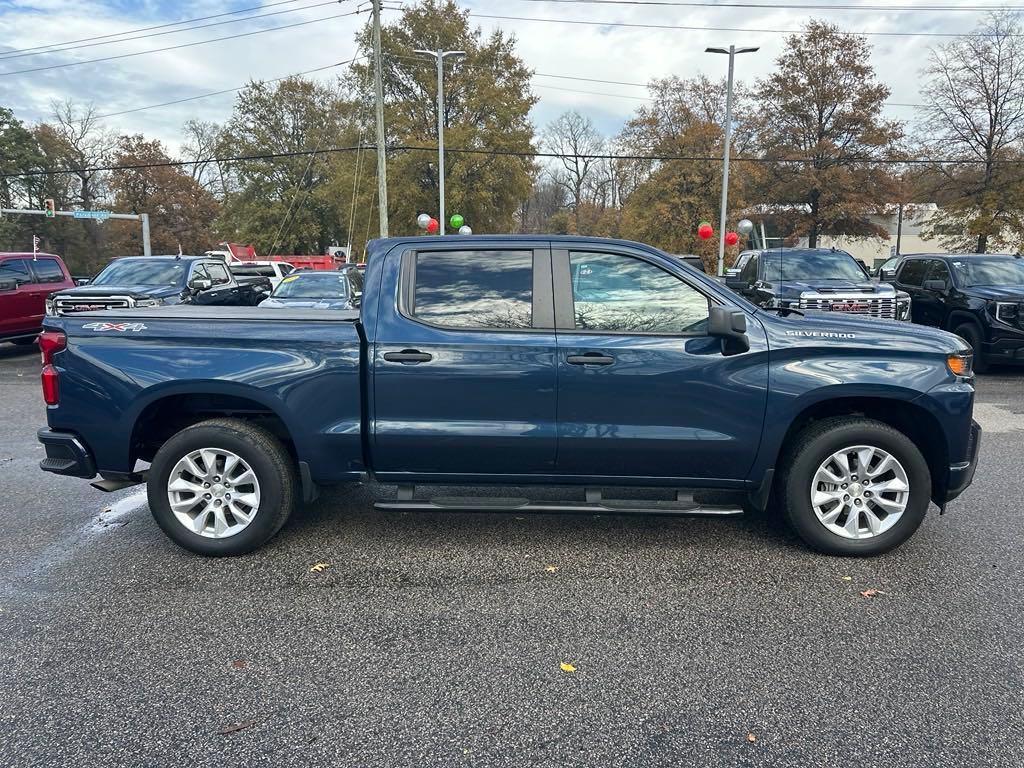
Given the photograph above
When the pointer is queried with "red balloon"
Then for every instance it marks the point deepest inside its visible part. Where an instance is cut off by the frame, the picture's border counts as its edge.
(705, 231)
(731, 238)
(433, 226)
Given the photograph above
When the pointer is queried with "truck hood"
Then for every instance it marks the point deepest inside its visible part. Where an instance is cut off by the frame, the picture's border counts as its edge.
(842, 330)
(997, 292)
(274, 301)
(135, 291)
(793, 289)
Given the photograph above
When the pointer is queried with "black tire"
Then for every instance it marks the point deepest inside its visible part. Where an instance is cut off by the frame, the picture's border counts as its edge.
(812, 446)
(271, 463)
(24, 342)
(971, 333)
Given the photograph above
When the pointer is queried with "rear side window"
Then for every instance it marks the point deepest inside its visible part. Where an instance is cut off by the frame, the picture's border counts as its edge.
(287, 269)
(474, 289)
(912, 272)
(17, 270)
(355, 279)
(48, 271)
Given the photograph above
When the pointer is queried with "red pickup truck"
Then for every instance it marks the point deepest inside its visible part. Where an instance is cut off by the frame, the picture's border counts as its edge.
(25, 281)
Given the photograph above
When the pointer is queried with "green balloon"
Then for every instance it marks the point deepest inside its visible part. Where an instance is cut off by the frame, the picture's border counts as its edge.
(456, 220)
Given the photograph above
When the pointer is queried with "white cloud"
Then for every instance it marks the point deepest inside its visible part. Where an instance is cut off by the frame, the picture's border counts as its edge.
(601, 52)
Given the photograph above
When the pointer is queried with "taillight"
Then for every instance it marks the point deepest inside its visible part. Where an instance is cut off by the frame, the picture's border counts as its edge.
(49, 343)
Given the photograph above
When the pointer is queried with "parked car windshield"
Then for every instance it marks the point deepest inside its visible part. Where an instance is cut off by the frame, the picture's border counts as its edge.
(995, 270)
(810, 265)
(309, 285)
(143, 272)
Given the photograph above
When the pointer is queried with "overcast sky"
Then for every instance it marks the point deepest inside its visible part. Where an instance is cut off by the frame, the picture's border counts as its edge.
(620, 53)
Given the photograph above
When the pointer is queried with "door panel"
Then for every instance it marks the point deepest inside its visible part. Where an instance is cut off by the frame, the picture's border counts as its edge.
(450, 395)
(18, 308)
(669, 405)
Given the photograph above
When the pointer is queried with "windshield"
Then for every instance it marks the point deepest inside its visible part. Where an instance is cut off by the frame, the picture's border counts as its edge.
(143, 272)
(811, 265)
(994, 270)
(309, 285)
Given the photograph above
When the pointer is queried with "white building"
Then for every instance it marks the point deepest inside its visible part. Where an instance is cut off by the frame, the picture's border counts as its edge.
(904, 236)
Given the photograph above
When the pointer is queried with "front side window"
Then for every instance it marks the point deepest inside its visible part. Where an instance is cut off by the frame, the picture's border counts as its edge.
(218, 273)
(912, 272)
(474, 289)
(16, 270)
(48, 271)
(939, 271)
(749, 272)
(621, 294)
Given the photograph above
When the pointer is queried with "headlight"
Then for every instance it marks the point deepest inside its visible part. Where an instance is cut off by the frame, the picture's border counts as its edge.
(149, 302)
(961, 364)
(902, 307)
(1006, 312)
(51, 306)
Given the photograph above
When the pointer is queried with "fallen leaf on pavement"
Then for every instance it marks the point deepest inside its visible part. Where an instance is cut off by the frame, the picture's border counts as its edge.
(319, 567)
(238, 664)
(550, 568)
(567, 667)
(751, 738)
(235, 727)
(871, 593)
(847, 578)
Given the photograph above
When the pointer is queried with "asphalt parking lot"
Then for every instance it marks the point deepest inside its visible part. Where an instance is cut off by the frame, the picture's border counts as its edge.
(439, 639)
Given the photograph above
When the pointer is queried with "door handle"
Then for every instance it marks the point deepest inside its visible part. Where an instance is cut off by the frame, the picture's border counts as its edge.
(409, 356)
(590, 358)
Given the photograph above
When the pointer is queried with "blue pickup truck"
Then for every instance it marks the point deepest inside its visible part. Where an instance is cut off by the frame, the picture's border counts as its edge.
(602, 365)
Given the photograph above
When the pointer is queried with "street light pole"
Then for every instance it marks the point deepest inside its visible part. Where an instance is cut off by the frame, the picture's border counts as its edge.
(440, 56)
(731, 53)
(382, 160)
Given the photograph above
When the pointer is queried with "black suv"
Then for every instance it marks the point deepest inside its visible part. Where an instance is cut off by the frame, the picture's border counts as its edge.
(815, 278)
(978, 296)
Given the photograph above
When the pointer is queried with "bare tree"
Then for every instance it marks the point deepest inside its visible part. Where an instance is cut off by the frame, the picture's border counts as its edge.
(974, 113)
(575, 142)
(203, 141)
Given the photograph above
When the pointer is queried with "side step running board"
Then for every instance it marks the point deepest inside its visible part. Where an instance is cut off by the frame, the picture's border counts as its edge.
(594, 504)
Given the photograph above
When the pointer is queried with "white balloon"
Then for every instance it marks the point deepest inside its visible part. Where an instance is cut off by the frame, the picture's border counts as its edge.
(465, 230)
(423, 220)
(745, 226)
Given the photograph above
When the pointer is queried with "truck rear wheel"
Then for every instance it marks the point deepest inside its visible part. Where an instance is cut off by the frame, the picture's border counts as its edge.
(855, 486)
(221, 487)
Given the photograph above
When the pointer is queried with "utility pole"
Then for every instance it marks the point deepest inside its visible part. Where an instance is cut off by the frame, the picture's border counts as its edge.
(99, 216)
(731, 52)
(382, 160)
(440, 55)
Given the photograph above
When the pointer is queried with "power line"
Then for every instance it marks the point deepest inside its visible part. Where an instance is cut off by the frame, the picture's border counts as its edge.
(716, 29)
(226, 90)
(173, 31)
(145, 29)
(788, 6)
(893, 161)
(181, 45)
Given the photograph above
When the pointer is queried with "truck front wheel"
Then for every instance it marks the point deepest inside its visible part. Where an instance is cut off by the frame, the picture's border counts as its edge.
(221, 487)
(855, 486)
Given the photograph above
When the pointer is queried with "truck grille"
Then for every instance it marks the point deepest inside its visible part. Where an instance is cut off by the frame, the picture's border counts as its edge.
(68, 305)
(875, 306)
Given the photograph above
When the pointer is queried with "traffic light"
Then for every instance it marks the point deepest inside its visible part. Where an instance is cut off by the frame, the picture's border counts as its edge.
(49, 207)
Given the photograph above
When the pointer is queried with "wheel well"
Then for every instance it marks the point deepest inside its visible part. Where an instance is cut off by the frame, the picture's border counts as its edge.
(162, 419)
(910, 419)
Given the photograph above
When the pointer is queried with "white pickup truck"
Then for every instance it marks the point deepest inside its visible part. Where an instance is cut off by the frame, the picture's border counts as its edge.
(275, 271)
